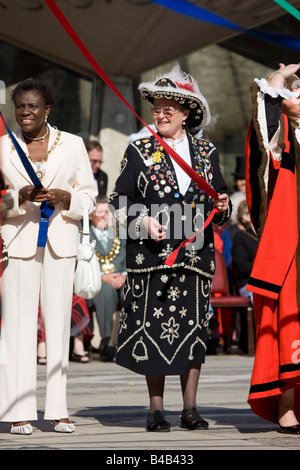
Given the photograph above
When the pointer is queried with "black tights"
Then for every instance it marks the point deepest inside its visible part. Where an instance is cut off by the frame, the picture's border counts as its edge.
(189, 387)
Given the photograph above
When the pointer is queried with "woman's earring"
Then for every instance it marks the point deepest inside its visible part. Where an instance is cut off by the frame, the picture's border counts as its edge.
(46, 117)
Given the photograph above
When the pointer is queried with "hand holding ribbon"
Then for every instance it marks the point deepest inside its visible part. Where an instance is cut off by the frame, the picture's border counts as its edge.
(220, 204)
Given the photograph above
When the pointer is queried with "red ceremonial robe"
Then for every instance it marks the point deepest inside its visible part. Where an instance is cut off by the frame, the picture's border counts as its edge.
(274, 278)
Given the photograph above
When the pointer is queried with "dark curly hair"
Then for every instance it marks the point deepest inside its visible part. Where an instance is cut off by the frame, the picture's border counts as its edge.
(34, 84)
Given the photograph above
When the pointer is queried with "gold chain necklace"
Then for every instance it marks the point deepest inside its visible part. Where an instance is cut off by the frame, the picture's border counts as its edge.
(40, 174)
(106, 260)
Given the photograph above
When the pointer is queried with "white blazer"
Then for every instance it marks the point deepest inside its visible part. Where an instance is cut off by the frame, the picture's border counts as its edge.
(68, 168)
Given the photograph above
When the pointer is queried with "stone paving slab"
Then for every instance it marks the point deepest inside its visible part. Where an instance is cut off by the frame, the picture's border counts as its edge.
(109, 406)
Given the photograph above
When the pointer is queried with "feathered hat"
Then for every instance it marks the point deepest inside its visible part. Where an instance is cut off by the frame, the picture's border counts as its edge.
(183, 88)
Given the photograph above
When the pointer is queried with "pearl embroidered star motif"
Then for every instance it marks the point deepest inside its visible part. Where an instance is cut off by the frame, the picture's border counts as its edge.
(166, 252)
(158, 312)
(192, 254)
(170, 330)
(139, 259)
(183, 312)
(173, 293)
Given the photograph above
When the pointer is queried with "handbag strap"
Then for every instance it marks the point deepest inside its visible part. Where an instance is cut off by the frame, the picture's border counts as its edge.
(85, 226)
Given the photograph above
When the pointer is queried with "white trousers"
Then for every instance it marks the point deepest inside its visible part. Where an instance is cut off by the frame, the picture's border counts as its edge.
(26, 282)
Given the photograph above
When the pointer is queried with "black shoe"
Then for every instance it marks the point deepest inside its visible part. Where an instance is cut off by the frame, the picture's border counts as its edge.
(157, 423)
(108, 354)
(79, 358)
(191, 420)
(290, 429)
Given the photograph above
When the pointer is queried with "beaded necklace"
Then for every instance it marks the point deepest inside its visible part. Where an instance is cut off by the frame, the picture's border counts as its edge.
(37, 138)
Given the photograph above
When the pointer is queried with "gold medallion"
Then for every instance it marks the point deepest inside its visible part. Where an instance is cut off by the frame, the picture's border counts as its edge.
(107, 267)
(40, 174)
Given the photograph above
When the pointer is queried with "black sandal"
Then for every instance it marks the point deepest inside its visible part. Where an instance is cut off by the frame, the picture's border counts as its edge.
(191, 420)
(157, 423)
(42, 360)
(79, 358)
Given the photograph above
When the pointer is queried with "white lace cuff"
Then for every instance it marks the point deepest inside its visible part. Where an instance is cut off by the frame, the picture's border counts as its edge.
(274, 92)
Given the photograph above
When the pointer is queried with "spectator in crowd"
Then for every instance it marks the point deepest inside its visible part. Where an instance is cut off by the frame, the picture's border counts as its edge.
(244, 247)
(95, 152)
(111, 252)
(237, 194)
(81, 333)
(239, 175)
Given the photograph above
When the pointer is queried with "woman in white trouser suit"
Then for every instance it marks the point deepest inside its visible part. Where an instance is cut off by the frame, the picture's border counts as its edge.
(36, 274)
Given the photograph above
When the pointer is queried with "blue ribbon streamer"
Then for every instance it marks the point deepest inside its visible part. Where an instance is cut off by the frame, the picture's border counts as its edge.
(46, 209)
(189, 9)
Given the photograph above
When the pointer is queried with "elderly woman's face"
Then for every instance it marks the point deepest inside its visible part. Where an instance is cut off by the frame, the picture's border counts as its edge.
(168, 116)
(30, 111)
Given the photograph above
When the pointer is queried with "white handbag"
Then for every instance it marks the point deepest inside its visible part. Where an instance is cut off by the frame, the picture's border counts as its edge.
(87, 278)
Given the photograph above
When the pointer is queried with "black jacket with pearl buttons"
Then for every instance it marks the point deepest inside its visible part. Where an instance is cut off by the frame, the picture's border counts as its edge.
(147, 185)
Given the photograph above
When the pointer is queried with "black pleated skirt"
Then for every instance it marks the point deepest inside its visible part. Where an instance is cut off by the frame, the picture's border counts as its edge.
(163, 322)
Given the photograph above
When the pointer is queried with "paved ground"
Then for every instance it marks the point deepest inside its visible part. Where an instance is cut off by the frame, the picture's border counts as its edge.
(108, 405)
